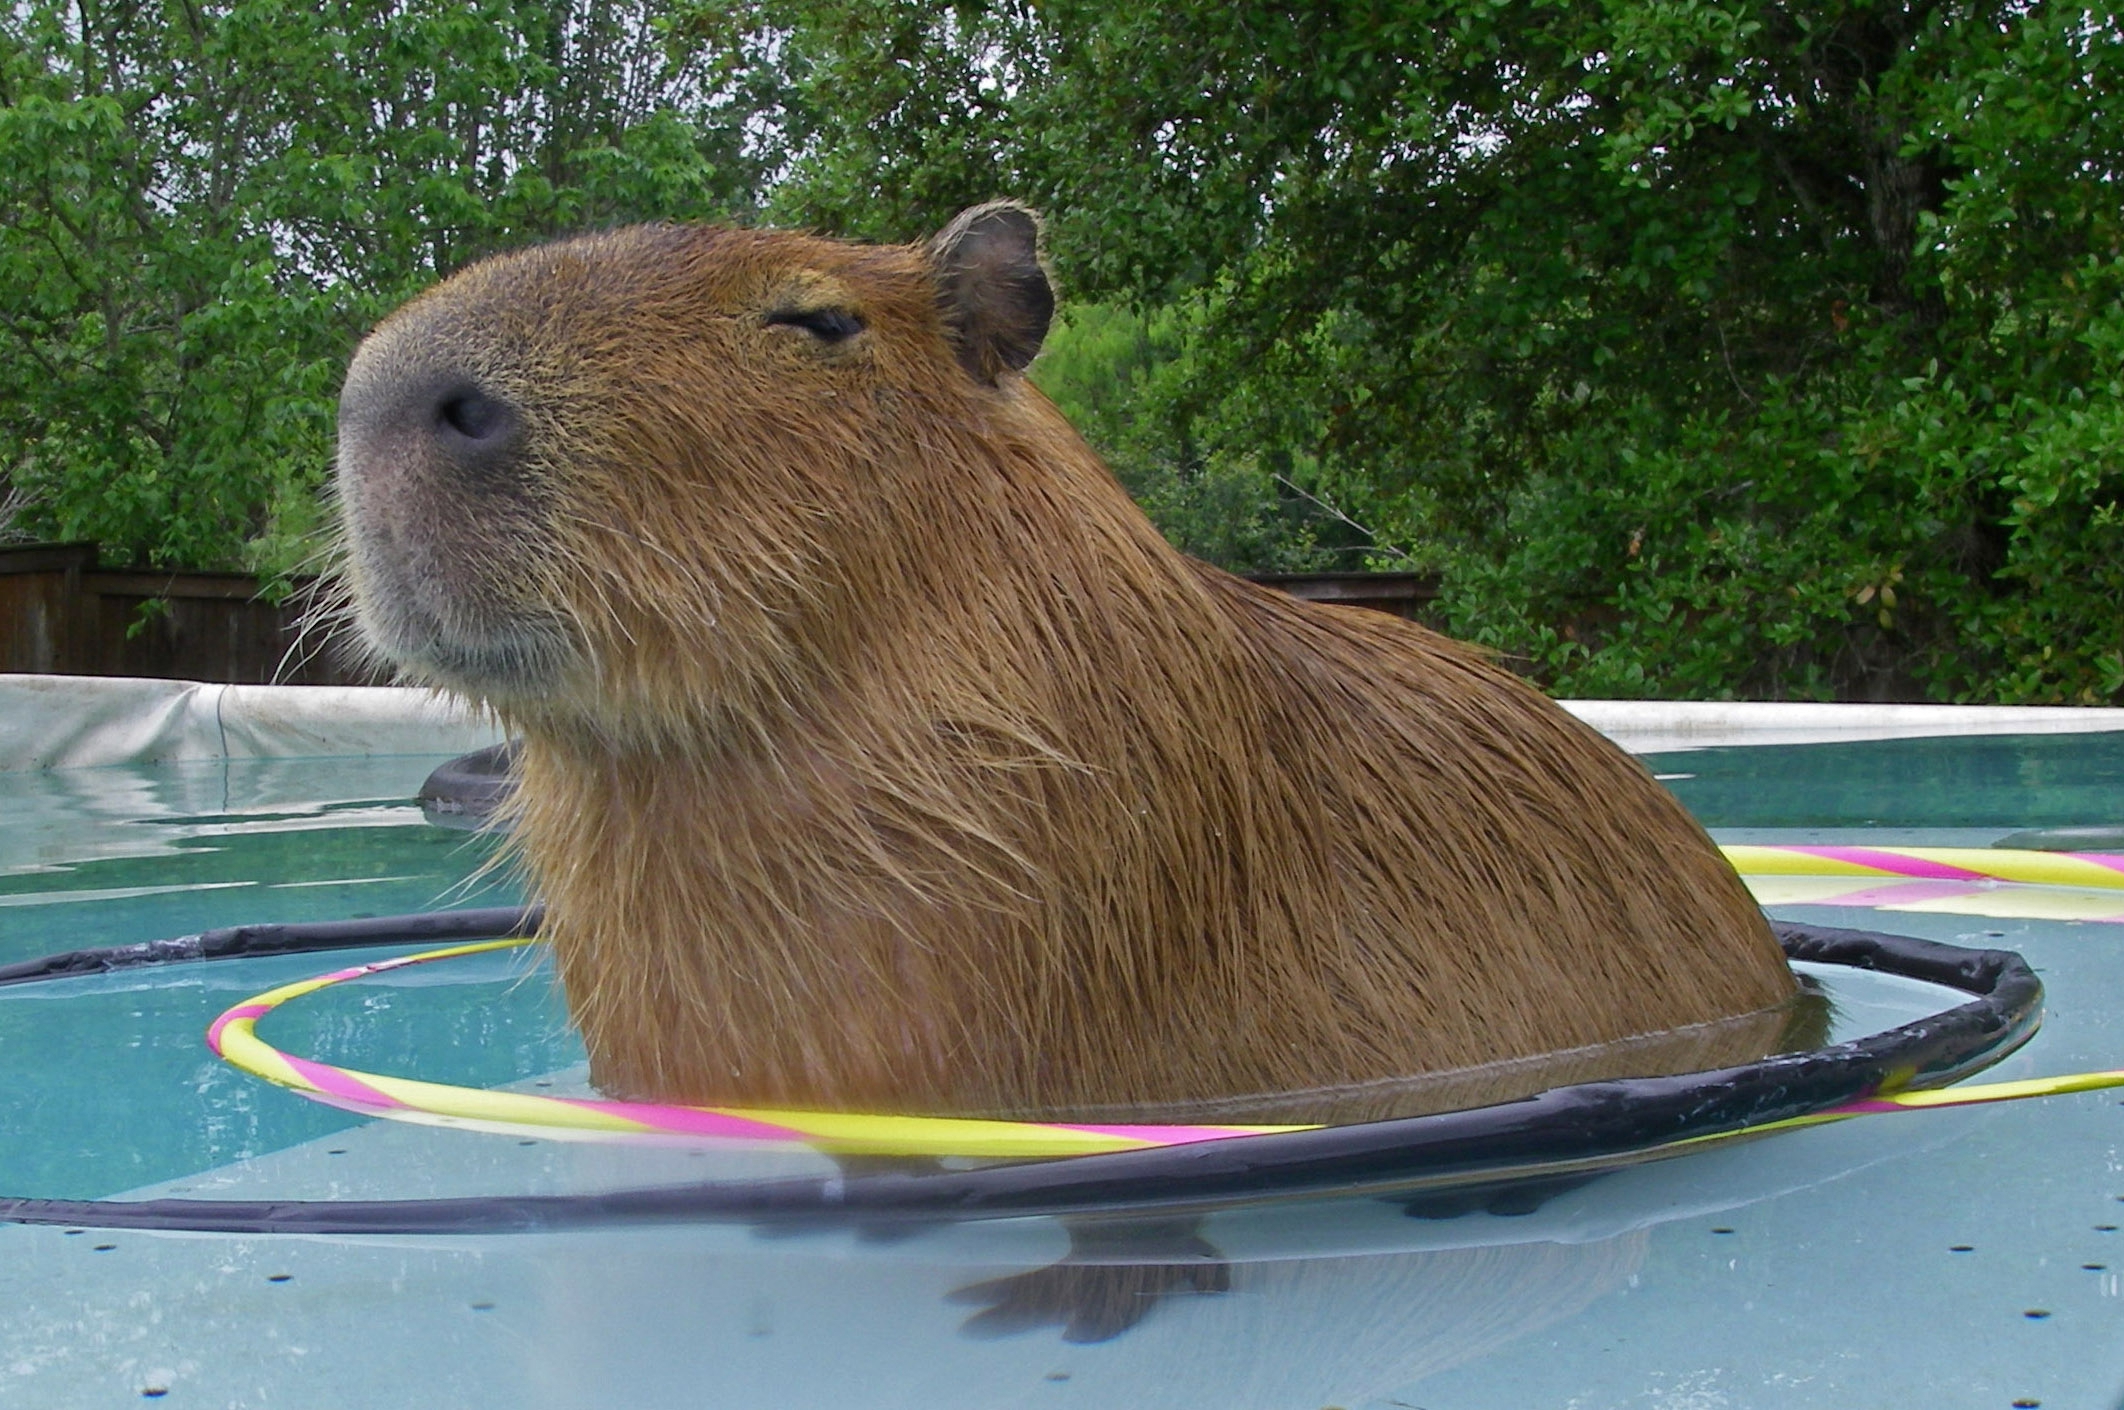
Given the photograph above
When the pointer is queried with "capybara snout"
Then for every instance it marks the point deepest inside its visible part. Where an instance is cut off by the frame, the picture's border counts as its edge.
(878, 753)
(436, 481)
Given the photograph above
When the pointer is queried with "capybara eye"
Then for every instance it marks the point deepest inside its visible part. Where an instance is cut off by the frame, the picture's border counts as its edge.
(828, 325)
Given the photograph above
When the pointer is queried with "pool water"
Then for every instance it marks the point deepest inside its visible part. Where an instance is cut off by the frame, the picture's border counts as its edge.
(1975, 788)
(110, 856)
(1965, 1258)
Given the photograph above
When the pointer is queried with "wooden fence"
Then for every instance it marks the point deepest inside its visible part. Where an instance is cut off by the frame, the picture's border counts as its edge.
(1410, 595)
(60, 614)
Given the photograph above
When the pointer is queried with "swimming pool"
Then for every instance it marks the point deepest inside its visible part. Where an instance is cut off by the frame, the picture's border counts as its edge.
(1957, 1258)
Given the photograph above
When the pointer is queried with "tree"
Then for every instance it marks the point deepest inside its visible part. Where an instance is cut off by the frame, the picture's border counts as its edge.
(202, 206)
(1708, 346)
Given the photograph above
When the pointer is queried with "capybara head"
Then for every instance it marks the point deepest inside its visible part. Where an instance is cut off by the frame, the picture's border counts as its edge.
(662, 469)
(877, 752)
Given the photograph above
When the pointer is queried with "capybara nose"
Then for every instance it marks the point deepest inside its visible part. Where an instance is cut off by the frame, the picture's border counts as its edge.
(393, 421)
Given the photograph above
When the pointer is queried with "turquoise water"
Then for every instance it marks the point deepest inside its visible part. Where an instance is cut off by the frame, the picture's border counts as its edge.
(2003, 783)
(97, 857)
(110, 856)
(1955, 1259)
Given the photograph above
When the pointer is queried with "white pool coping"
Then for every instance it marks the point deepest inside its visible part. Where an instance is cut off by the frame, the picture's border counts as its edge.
(57, 722)
(61, 722)
(1657, 726)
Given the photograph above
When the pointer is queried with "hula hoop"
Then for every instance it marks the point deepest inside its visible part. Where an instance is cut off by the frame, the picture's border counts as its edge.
(1995, 882)
(2096, 871)
(233, 1038)
(1565, 1132)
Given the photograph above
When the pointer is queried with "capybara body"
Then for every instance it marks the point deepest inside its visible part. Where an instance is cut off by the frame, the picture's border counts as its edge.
(878, 754)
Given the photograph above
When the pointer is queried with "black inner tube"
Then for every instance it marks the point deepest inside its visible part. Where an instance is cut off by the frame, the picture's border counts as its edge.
(467, 791)
(1586, 1127)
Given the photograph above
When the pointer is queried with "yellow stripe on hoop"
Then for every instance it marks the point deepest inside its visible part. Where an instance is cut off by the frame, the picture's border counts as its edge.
(1930, 1099)
(2087, 871)
(233, 1035)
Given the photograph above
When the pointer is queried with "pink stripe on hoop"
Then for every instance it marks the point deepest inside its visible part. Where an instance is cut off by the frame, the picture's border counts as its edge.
(340, 1084)
(240, 1011)
(1894, 863)
(2112, 860)
(363, 971)
(688, 1120)
(1886, 891)
(1159, 1135)
(1866, 1106)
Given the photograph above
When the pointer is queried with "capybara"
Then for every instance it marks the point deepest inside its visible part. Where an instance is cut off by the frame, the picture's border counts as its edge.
(878, 754)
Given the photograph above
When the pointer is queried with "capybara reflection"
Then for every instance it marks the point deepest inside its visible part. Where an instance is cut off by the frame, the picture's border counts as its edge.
(879, 754)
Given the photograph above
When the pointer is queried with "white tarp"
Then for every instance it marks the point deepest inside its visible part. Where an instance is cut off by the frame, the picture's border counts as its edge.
(1655, 726)
(56, 722)
(53, 722)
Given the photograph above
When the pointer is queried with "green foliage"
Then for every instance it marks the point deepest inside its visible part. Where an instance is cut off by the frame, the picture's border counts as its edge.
(203, 206)
(1706, 347)
(1127, 381)
(1711, 347)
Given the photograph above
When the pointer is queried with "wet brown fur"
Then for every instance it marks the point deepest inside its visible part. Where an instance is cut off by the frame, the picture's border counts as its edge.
(879, 754)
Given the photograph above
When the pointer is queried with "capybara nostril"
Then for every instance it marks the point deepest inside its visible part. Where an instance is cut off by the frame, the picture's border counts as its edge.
(468, 414)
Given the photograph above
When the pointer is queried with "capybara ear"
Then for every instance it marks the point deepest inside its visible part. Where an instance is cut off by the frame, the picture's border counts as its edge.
(996, 299)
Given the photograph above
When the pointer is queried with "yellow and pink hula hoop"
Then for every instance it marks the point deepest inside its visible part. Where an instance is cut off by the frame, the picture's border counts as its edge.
(2084, 870)
(234, 1038)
